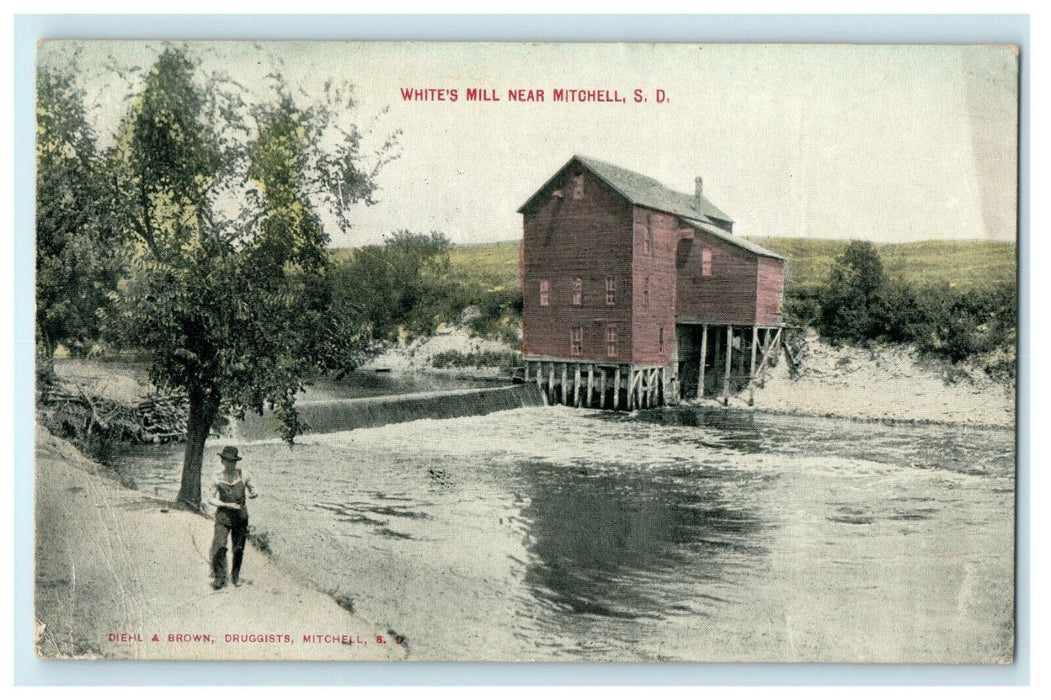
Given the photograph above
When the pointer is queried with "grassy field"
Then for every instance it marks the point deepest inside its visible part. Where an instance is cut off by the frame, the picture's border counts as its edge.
(964, 264)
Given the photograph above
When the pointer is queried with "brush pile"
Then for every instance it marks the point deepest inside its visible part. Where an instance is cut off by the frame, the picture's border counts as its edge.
(77, 414)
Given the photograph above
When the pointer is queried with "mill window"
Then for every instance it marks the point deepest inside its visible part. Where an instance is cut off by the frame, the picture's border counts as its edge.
(645, 241)
(611, 341)
(576, 342)
(706, 262)
(578, 291)
(545, 292)
(611, 290)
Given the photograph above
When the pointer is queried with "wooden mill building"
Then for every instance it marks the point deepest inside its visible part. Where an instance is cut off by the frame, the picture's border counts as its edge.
(635, 295)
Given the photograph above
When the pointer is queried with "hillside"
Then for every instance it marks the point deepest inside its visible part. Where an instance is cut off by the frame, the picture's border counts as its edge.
(966, 264)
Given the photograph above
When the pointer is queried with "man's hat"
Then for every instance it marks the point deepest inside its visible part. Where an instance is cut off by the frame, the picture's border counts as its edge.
(230, 452)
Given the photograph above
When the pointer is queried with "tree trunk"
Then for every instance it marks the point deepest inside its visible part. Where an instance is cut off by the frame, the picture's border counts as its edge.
(204, 405)
(45, 365)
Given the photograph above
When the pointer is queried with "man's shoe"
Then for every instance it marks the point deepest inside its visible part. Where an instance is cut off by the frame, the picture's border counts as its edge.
(218, 583)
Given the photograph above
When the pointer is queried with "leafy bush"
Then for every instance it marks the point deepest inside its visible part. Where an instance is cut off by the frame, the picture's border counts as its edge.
(399, 288)
(858, 304)
(488, 358)
(850, 299)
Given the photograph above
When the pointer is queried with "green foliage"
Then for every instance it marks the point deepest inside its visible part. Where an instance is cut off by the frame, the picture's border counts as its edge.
(958, 264)
(79, 251)
(850, 298)
(235, 305)
(858, 304)
(488, 358)
(400, 287)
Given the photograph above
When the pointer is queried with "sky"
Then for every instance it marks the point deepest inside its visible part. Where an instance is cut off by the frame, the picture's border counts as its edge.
(883, 143)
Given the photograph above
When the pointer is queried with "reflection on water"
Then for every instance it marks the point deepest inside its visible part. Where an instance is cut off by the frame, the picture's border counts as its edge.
(678, 534)
(601, 543)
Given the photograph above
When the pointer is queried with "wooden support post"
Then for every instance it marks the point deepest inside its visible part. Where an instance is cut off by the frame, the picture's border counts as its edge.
(602, 388)
(755, 342)
(591, 385)
(751, 369)
(651, 400)
(565, 381)
(526, 379)
(729, 354)
(576, 385)
(616, 388)
(631, 389)
(704, 350)
(551, 382)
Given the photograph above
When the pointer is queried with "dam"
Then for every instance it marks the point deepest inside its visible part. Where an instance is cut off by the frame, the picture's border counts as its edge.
(330, 415)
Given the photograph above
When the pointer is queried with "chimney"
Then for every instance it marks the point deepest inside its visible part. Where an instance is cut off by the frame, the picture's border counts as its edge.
(698, 190)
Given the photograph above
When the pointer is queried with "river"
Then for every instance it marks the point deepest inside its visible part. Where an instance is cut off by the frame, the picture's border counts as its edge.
(680, 534)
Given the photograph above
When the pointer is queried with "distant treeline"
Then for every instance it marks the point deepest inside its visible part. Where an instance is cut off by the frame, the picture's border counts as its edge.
(858, 303)
(952, 299)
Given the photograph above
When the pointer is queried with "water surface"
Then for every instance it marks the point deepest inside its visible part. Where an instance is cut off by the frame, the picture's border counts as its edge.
(675, 534)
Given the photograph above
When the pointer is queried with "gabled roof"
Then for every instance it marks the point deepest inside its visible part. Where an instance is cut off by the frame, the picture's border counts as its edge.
(643, 191)
(717, 232)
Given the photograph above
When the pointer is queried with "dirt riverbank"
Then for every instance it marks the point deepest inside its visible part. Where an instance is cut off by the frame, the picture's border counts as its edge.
(122, 575)
(884, 383)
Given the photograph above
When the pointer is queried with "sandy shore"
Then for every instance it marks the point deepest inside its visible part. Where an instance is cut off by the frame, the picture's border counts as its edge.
(122, 575)
(884, 383)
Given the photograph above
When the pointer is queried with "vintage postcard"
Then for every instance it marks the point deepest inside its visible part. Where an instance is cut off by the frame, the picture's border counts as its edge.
(526, 352)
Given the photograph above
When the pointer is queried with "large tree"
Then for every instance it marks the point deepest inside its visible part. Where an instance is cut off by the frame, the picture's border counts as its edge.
(230, 292)
(852, 294)
(78, 249)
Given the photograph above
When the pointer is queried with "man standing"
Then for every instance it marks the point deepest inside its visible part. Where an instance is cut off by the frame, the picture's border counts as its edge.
(231, 517)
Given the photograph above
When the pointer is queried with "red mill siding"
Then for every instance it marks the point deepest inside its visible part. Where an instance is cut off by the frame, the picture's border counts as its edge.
(566, 238)
(604, 232)
(659, 266)
(770, 291)
(728, 294)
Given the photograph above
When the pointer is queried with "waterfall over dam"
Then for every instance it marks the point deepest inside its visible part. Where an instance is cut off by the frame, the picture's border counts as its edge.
(334, 415)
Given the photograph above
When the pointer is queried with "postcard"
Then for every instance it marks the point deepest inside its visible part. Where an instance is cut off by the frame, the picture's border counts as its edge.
(526, 352)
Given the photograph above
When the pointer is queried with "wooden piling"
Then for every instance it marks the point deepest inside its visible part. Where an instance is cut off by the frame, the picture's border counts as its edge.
(704, 350)
(551, 382)
(565, 381)
(602, 387)
(576, 385)
(616, 388)
(755, 341)
(729, 354)
(591, 385)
